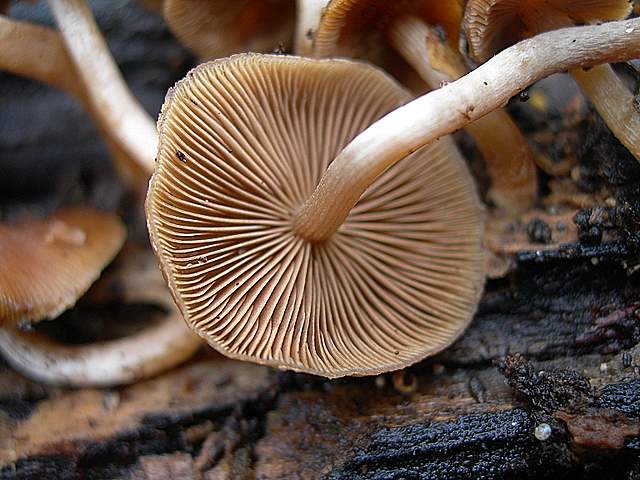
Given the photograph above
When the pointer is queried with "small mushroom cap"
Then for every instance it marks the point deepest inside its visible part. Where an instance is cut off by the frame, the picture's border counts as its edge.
(48, 264)
(243, 143)
(492, 25)
(358, 29)
(217, 28)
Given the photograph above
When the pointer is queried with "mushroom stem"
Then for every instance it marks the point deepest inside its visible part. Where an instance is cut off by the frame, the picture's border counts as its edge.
(308, 17)
(38, 53)
(611, 98)
(130, 125)
(507, 154)
(451, 107)
(614, 102)
(126, 360)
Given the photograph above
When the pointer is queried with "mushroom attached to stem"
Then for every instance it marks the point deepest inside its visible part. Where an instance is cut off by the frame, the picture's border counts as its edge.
(244, 142)
(158, 347)
(491, 25)
(394, 34)
(333, 282)
(453, 106)
(47, 266)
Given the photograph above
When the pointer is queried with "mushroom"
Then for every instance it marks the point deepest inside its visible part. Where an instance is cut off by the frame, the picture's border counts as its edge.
(48, 264)
(243, 142)
(216, 28)
(394, 34)
(39, 53)
(494, 24)
(158, 347)
(333, 282)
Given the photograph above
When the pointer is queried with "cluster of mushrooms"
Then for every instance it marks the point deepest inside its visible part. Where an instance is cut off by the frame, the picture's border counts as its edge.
(309, 212)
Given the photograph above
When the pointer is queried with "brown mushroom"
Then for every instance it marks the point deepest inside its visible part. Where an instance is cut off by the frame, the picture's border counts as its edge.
(398, 35)
(157, 347)
(213, 28)
(491, 25)
(243, 143)
(48, 264)
(234, 226)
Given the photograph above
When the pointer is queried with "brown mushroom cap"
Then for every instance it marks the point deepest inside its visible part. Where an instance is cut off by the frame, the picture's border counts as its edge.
(358, 29)
(244, 142)
(217, 28)
(492, 25)
(48, 264)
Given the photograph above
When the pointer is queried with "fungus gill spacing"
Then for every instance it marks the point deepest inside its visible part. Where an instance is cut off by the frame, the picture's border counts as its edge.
(244, 141)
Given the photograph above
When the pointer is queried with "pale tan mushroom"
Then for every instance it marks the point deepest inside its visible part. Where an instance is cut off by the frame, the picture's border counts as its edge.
(48, 264)
(394, 34)
(234, 233)
(161, 345)
(243, 143)
(494, 24)
(214, 28)
(217, 28)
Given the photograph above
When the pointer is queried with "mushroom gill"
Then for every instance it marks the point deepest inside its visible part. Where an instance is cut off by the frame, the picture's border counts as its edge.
(243, 143)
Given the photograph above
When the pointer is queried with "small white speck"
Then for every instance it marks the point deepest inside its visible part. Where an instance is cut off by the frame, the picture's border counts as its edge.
(629, 30)
(604, 367)
(543, 432)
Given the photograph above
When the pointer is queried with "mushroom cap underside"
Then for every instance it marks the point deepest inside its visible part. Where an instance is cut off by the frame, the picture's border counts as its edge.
(243, 143)
(216, 28)
(358, 29)
(48, 264)
(492, 25)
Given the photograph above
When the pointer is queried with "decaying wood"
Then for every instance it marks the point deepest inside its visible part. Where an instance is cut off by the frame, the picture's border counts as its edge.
(556, 341)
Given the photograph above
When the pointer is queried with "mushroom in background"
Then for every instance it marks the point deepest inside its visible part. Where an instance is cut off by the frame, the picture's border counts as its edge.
(491, 25)
(398, 36)
(40, 53)
(243, 143)
(48, 264)
(159, 346)
(215, 28)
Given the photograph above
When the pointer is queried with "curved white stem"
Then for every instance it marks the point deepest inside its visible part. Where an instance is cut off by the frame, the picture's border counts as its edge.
(155, 349)
(38, 53)
(507, 155)
(614, 102)
(308, 13)
(126, 120)
(451, 107)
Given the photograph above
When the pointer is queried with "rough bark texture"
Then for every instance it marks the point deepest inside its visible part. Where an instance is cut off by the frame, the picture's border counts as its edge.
(555, 342)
